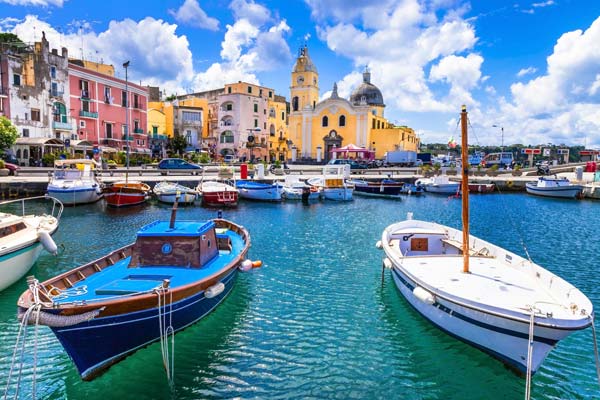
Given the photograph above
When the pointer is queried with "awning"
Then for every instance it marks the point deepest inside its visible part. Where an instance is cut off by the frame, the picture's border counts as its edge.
(107, 149)
(82, 145)
(141, 150)
(34, 141)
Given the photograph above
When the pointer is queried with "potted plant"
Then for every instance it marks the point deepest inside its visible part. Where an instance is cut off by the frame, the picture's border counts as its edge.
(451, 170)
(479, 171)
(437, 168)
(517, 170)
(426, 171)
(493, 170)
(3, 170)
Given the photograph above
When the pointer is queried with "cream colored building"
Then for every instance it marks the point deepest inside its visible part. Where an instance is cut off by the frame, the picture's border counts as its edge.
(315, 128)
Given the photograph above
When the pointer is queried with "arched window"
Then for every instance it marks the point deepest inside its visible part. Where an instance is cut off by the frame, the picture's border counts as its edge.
(342, 121)
(227, 137)
(325, 121)
(25, 154)
(18, 153)
(272, 130)
(295, 103)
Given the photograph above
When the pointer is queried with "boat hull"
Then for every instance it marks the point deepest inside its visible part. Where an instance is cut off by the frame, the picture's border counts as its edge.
(220, 199)
(450, 188)
(502, 338)
(116, 337)
(560, 191)
(261, 192)
(297, 194)
(378, 189)
(74, 196)
(14, 265)
(337, 194)
(126, 195)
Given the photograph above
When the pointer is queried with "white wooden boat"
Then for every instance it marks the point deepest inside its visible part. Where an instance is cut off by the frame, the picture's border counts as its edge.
(439, 184)
(480, 293)
(333, 184)
(295, 189)
(252, 190)
(74, 182)
(24, 235)
(554, 187)
(167, 192)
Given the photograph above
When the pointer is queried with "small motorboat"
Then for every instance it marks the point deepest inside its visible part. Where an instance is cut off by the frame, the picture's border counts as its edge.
(218, 194)
(554, 187)
(174, 274)
(74, 182)
(333, 184)
(381, 188)
(439, 184)
(259, 191)
(412, 189)
(295, 189)
(126, 193)
(24, 235)
(167, 192)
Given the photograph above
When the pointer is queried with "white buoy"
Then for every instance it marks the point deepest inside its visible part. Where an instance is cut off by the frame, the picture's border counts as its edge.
(48, 243)
(379, 245)
(245, 266)
(214, 290)
(423, 295)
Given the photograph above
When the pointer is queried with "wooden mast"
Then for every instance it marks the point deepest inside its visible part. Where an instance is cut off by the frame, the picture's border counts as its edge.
(465, 188)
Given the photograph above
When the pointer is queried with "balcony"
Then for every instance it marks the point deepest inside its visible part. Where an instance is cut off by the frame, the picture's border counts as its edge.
(63, 126)
(191, 123)
(127, 137)
(138, 130)
(56, 93)
(157, 136)
(88, 114)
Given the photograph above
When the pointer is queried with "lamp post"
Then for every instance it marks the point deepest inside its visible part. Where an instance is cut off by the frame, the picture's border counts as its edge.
(251, 141)
(126, 65)
(502, 138)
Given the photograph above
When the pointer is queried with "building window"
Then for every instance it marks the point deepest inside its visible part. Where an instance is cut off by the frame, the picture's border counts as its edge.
(85, 105)
(325, 121)
(35, 114)
(229, 106)
(154, 129)
(271, 112)
(295, 103)
(82, 123)
(188, 137)
(25, 132)
(373, 124)
(265, 127)
(136, 126)
(109, 130)
(53, 72)
(255, 108)
(136, 103)
(190, 116)
(260, 92)
(16, 80)
(59, 112)
(270, 94)
(107, 96)
(272, 130)
(124, 129)
(124, 98)
(226, 137)
(283, 115)
(229, 89)
(250, 89)
(255, 123)
(342, 121)
(83, 85)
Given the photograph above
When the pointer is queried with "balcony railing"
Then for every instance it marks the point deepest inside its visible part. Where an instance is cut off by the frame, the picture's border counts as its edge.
(127, 137)
(88, 114)
(157, 136)
(65, 126)
(56, 93)
(138, 130)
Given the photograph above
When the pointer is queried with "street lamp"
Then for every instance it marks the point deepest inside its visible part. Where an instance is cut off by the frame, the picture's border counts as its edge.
(502, 138)
(126, 65)
(251, 141)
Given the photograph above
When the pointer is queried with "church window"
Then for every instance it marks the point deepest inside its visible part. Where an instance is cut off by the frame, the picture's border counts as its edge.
(295, 103)
(325, 121)
(342, 120)
(373, 124)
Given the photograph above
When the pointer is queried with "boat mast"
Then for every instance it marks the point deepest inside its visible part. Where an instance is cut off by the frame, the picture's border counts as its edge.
(465, 188)
(127, 130)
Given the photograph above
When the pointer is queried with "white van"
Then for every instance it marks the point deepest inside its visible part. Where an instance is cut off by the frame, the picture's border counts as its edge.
(229, 158)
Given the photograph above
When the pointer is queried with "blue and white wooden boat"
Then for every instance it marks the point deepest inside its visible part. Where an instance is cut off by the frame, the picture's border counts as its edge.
(24, 232)
(334, 184)
(259, 191)
(439, 184)
(480, 293)
(74, 182)
(554, 187)
(412, 189)
(382, 188)
(174, 274)
(168, 192)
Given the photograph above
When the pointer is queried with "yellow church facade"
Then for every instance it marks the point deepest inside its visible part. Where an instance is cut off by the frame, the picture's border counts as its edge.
(317, 127)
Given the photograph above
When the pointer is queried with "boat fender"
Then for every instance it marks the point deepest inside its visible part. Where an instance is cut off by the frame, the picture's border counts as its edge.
(247, 265)
(256, 264)
(48, 243)
(509, 184)
(379, 245)
(423, 295)
(387, 263)
(214, 290)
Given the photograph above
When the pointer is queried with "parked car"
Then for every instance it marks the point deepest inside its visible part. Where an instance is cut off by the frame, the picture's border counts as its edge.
(178, 164)
(12, 168)
(353, 163)
(229, 158)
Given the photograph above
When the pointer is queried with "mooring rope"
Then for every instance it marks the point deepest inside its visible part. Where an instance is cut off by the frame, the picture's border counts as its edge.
(597, 359)
(165, 331)
(529, 354)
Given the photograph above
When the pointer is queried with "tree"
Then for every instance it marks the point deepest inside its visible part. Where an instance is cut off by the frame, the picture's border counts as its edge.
(178, 144)
(8, 134)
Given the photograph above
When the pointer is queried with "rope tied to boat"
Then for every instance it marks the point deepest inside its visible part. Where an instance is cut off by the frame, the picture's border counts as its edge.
(166, 330)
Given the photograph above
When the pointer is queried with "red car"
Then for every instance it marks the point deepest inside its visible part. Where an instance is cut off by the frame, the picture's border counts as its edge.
(12, 168)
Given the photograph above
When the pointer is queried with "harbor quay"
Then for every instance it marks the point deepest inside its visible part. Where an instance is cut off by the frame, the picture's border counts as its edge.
(31, 181)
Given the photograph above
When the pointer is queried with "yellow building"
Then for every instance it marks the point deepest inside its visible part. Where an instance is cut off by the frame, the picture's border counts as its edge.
(316, 128)
(278, 129)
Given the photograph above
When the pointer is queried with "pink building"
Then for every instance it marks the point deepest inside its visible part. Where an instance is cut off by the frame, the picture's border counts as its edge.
(98, 104)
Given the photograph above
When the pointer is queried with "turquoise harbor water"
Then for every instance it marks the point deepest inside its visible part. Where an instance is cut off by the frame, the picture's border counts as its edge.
(315, 321)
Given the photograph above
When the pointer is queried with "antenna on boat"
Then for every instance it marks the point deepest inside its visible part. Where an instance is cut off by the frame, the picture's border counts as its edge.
(465, 188)
(174, 211)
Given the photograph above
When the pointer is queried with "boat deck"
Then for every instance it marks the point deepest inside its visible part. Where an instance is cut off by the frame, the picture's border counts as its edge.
(490, 283)
(119, 280)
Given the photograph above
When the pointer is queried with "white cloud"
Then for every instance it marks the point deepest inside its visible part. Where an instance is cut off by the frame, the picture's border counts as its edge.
(191, 14)
(152, 46)
(461, 73)
(526, 71)
(41, 3)
(249, 10)
(543, 4)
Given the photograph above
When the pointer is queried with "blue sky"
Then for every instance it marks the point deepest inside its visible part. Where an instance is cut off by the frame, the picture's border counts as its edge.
(529, 66)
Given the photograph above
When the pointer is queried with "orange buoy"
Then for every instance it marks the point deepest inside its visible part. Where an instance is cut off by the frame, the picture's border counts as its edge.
(256, 264)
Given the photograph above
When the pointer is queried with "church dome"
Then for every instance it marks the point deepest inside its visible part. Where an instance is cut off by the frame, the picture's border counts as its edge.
(367, 93)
